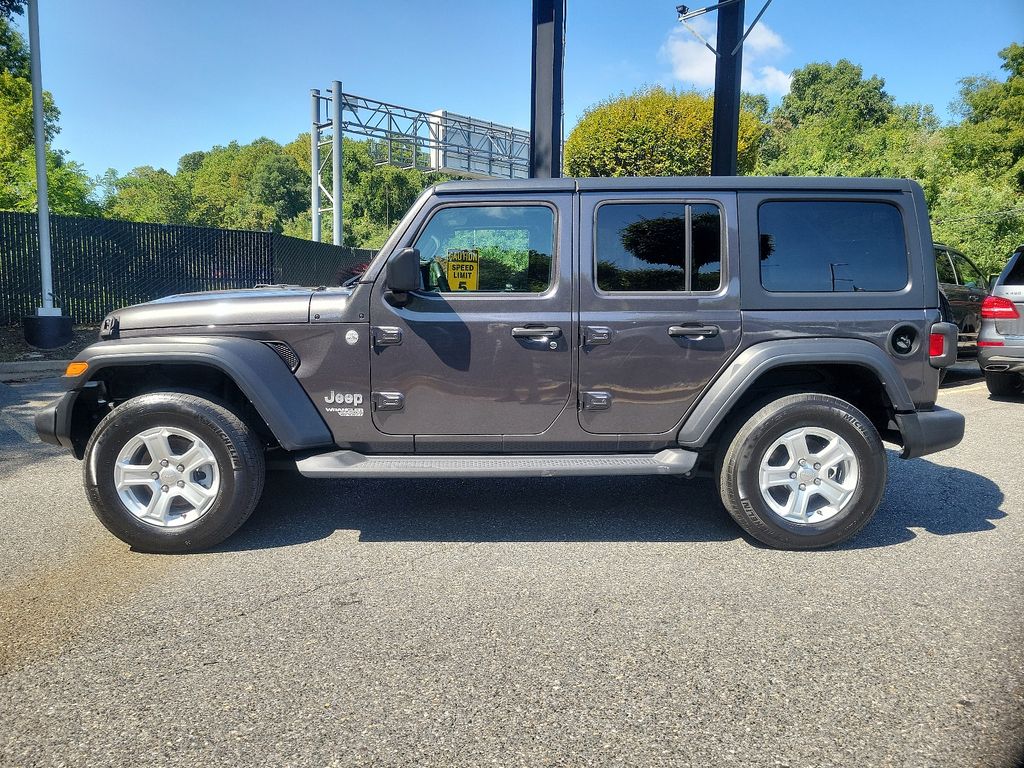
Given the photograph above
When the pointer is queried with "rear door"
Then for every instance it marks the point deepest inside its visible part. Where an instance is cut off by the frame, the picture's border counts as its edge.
(659, 306)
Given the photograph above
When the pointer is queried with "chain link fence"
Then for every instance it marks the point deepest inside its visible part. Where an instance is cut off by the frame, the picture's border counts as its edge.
(101, 264)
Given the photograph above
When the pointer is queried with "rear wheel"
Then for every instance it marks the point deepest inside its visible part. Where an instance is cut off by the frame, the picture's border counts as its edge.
(803, 471)
(1004, 384)
(170, 472)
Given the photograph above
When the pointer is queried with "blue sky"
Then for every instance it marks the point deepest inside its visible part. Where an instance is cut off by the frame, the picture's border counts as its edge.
(141, 82)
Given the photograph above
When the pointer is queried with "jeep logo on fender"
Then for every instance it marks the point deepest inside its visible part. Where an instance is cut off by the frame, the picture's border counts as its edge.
(343, 397)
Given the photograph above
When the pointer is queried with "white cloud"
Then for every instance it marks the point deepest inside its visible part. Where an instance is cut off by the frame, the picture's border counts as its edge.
(767, 79)
(694, 65)
(762, 41)
(691, 61)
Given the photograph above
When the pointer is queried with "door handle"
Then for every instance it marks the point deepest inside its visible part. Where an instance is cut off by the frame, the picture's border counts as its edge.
(537, 332)
(694, 331)
(595, 335)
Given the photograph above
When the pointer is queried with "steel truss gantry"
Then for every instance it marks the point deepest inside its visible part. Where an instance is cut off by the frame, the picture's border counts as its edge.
(406, 138)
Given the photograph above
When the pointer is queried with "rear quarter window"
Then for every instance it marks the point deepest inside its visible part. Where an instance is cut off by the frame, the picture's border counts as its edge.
(1015, 275)
(812, 246)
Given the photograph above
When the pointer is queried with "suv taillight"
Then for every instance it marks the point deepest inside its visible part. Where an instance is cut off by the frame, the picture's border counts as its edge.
(936, 345)
(998, 308)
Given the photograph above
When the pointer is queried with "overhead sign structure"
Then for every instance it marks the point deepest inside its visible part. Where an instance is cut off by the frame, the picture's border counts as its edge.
(471, 147)
(406, 138)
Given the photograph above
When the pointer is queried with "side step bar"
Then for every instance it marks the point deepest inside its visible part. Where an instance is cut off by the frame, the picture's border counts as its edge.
(671, 461)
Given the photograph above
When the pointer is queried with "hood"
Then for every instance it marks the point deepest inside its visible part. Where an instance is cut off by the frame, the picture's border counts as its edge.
(252, 306)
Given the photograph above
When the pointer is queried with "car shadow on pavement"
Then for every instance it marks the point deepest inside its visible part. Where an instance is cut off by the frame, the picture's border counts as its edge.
(295, 510)
(931, 497)
(964, 373)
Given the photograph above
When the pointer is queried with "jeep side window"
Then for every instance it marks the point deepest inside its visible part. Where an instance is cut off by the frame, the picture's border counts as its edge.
(832, 246)
(944, 268)
(658, 247)
(969, 276)
(488, 248)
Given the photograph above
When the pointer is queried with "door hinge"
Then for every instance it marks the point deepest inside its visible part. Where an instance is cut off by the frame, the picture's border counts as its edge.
(386, 336)
(597, 334)
(596, 401)
(388, 401)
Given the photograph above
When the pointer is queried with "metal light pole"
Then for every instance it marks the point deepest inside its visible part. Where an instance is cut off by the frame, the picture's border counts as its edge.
(336, 158)
(317, 190)
(314, 163)
(47, 328)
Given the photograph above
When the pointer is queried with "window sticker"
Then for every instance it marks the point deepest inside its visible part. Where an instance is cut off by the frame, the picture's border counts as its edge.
(462, 268)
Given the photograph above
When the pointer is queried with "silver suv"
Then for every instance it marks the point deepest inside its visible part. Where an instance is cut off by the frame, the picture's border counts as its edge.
(1001, 340)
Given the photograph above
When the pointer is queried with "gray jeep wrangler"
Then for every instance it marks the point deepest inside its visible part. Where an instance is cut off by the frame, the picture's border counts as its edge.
(771, 332)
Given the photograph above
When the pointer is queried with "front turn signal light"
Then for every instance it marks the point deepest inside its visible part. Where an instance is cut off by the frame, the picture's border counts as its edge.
(76, 368)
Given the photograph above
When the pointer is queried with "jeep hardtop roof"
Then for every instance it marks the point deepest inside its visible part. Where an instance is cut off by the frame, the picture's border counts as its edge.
(709, 183)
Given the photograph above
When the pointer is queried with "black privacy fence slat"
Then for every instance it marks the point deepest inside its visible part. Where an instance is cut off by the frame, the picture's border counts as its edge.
(102, 264)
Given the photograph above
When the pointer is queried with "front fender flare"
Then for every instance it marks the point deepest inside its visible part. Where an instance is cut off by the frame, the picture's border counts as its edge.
(745, 369)
(255, 368)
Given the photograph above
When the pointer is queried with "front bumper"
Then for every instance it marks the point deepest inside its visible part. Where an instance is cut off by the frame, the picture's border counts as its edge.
(931, 431)
(53, 421)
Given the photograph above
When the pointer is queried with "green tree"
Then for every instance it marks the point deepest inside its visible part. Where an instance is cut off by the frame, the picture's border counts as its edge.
(653, 132)
(148, 194)
(821, 126)
(14, 57)
(278, 183)
(837, 92)
(10, 7)
(71, 190)
(978, 206)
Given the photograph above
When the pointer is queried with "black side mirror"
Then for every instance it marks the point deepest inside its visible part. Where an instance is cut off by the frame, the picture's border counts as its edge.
(403, 272)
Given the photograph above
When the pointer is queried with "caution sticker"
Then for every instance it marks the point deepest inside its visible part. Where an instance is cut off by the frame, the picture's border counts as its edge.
(462, 268)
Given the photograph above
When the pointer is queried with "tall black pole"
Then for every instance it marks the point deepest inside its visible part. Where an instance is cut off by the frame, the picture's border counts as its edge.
(546, 89)
(725, 130)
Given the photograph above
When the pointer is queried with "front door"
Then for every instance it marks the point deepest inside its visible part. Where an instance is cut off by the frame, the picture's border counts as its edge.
(966, 297)
(486, 347)
(659, 306)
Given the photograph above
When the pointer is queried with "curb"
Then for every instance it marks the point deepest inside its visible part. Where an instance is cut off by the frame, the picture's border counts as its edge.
(32, 369)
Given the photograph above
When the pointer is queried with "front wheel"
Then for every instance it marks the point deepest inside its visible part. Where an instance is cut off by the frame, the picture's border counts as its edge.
(170, 472)
(804, 471)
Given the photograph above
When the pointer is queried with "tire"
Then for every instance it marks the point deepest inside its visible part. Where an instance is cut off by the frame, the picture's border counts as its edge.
(760, 450)
(179, 511)
(1002, 384)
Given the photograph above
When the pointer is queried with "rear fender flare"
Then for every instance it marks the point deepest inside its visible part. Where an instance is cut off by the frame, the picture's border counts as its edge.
(719, 399)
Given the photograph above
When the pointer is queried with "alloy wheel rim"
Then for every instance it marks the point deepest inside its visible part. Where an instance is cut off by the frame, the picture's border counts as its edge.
(167, 477)
(808, 475)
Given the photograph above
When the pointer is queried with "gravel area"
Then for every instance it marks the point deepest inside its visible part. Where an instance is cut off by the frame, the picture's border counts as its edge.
(13, 347)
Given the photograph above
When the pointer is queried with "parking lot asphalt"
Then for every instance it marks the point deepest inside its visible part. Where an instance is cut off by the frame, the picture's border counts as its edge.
(584, 621)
